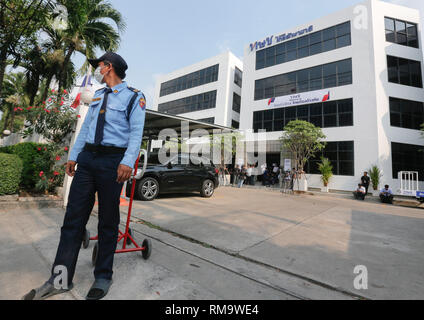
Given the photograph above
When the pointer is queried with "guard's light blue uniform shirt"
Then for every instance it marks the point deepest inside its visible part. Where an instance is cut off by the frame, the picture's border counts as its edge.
(118, 131)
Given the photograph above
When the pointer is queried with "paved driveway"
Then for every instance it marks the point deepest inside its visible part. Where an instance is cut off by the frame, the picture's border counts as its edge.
(321, 238)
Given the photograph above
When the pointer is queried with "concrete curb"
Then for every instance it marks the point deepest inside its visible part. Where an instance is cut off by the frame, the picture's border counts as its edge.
(398, 201)
(15, 202)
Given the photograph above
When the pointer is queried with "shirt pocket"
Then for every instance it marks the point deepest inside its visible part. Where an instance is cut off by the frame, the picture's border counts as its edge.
(116, 113)
(94, 109)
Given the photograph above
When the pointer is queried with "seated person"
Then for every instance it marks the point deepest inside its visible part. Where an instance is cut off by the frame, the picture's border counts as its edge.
(360, 192)
(386, 195)
(274, 178)
(266, 178)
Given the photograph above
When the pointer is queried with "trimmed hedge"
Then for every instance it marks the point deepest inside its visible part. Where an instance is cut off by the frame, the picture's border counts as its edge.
(10, 173)
(33, 161)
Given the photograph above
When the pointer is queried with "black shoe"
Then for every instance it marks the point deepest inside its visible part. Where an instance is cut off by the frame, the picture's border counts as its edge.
(99, 289)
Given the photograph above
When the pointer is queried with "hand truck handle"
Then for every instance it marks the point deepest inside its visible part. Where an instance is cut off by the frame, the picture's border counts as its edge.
(139, 174)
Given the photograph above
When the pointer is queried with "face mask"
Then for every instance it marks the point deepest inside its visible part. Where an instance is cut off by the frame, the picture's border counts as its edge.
(98, 76)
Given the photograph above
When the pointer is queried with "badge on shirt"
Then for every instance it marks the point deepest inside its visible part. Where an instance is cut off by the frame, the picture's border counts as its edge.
(142, 103)
(96, 99)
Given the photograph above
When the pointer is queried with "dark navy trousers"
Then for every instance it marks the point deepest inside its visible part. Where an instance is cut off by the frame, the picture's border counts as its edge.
(95, 173)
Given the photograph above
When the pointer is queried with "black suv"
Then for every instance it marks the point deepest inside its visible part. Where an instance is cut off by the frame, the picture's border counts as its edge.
(200, 175)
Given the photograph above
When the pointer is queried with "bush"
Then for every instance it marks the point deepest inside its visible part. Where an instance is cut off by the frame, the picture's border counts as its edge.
(11, 171)
(29, 154)
(38, 158)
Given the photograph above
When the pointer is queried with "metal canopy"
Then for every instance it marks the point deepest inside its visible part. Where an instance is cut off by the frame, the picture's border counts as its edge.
(157, 121)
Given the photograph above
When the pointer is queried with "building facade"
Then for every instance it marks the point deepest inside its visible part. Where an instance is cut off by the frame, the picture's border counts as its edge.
(209, 91)
(357, 74)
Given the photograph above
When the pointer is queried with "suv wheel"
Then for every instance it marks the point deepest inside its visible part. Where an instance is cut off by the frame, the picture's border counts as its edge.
(148, 189)
(208, 188)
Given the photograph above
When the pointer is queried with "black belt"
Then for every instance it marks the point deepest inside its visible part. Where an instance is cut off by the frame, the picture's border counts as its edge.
(104, 149)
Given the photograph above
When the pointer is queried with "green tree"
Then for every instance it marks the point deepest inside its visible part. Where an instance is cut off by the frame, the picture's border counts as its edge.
(303, 140)
(88, 30)
(19, 22)
(16, 99)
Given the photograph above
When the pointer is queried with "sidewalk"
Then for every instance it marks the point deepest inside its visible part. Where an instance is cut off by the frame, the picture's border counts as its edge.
(177, 269)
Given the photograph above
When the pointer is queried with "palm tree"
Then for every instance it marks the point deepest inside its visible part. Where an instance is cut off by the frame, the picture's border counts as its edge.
(16, 97)
(19, 22)
(87, 31)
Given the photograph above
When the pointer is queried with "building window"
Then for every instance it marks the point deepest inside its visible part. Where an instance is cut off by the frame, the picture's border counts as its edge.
(401, 32)
(407, 157)
(238, 77)
(208, 120)
(198, 102)
(191, 80)
(235, 124)
(341, 155)
(406, 114)
(325, 40)
(324, 115)
(404, 71)
(330, 75)
(236, 102)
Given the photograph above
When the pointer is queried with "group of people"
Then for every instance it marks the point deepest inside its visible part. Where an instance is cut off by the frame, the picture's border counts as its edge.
(248, 175)
(242, 175)
(386, 194)
(271, 175)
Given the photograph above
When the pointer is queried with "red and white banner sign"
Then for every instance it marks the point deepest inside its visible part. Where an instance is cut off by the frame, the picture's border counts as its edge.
(299, 99)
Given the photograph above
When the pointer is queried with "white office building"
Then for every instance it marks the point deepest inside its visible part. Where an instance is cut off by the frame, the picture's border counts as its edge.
(208, 91)
(357, 74)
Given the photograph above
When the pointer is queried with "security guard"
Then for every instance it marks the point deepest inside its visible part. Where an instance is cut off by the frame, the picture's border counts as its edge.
(106, 150)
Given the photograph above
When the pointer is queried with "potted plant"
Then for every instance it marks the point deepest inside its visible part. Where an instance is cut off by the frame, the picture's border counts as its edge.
(326, 170)
(375, 176)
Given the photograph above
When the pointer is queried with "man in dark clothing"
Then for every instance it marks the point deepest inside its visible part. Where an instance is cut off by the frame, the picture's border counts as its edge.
(386, 195)
(365, 181)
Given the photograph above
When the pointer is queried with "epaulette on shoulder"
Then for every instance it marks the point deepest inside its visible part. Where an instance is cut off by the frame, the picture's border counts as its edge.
(100, 89)
(133, 89)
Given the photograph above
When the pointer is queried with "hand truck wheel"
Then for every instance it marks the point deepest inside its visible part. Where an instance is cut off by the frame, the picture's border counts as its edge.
(147, 244)
(128, 239)
(86, 239)
(95, 254)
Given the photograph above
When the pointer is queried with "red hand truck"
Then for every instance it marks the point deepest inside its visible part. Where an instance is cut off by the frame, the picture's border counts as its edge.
(146, 246)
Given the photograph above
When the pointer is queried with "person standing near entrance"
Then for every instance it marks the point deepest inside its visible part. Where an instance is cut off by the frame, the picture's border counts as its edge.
(365, 181)
(105, 150)
(249, 172)
(242, 176)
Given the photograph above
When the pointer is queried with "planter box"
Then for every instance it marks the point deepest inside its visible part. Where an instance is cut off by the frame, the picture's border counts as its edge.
(300, 185)
(325, 189)
(376, 193)
(13, 197)
(59, 191)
